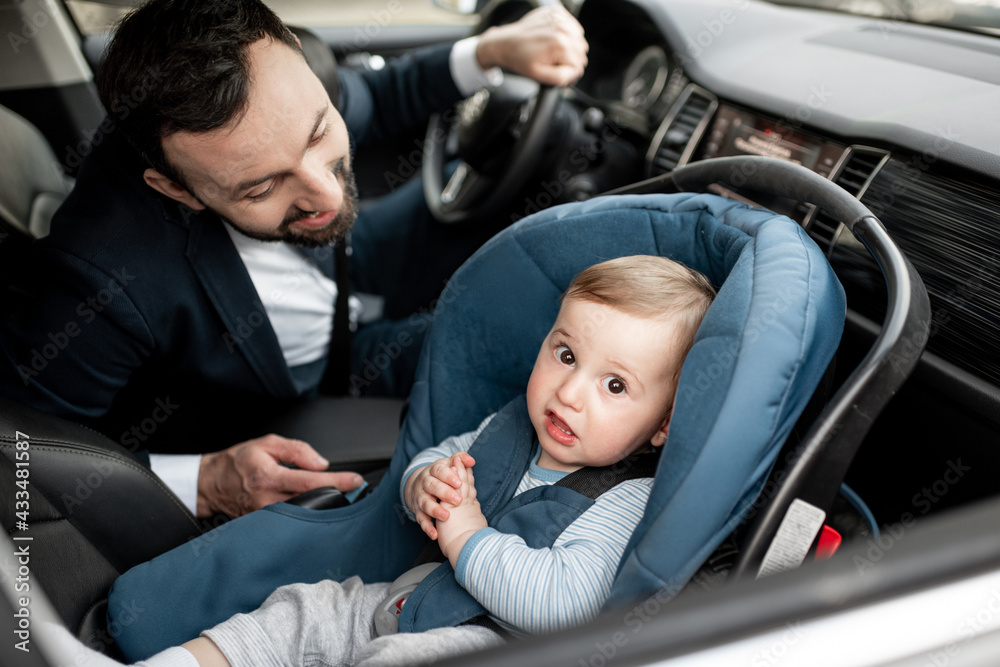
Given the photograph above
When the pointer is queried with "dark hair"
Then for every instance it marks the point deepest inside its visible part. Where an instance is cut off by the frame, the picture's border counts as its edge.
(182, 65)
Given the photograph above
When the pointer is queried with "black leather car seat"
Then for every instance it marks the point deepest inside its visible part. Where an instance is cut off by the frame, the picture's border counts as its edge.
(91, 508)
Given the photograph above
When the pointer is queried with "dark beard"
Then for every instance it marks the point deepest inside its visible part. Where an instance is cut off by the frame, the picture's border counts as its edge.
(315, 238)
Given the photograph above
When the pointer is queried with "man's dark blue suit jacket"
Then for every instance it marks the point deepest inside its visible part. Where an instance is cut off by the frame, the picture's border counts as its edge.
(137, 289)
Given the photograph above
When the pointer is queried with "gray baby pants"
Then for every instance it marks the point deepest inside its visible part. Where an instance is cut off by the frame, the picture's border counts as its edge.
(330, 624)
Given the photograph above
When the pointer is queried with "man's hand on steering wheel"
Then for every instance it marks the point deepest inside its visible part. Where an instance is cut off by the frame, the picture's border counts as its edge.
(500, 132)
(546, 44)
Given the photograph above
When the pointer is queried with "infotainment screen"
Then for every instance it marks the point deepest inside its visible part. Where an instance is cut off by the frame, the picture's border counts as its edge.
(735, 131)
(772, 143)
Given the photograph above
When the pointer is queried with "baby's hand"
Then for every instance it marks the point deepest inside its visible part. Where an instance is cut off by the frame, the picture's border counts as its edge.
(433, 484)
(466, 516)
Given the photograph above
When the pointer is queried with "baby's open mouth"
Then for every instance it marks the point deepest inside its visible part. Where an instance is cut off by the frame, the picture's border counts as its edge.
(559, 429)
(560, 424)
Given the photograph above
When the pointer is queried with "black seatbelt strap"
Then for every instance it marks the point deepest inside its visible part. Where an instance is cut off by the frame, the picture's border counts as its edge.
(593, 482)
(338, 366)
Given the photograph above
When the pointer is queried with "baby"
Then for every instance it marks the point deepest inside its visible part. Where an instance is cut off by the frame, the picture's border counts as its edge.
(602, 389)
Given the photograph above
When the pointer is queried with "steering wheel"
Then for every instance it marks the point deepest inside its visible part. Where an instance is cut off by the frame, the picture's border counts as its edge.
(497, 136)
(478, 131)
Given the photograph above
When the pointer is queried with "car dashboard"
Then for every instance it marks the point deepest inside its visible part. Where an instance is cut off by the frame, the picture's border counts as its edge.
(728, 78)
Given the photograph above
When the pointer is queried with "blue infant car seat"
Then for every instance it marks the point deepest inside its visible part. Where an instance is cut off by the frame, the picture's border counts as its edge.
(759, 354)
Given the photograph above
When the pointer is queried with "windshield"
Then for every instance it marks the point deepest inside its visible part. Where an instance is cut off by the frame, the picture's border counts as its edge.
(370, 16)
(978, 15)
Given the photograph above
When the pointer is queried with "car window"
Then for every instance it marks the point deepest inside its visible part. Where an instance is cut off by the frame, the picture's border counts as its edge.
(99, 17)
(976, 15)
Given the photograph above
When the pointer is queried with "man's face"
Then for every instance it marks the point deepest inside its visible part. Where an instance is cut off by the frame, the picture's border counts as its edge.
(282, 171)
(602, 386)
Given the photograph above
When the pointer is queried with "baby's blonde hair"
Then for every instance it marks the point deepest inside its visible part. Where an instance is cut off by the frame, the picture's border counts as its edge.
(648, 287)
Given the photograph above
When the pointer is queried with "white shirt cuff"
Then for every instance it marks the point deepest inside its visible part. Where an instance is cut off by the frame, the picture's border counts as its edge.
(465, 70)
(175, 656)
(180, 473)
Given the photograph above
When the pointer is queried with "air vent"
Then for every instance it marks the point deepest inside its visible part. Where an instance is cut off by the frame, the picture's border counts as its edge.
(854, 173)
(680, 131)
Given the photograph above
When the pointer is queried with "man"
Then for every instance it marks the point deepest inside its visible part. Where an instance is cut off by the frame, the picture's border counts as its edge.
(194, 249)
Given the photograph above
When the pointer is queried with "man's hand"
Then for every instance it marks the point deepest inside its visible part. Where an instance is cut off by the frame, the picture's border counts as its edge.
(432, 484)
(547, 44)
(248, 476)
(466, 518)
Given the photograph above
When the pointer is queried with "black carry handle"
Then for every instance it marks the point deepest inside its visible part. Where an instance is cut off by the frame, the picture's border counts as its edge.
(822, 458)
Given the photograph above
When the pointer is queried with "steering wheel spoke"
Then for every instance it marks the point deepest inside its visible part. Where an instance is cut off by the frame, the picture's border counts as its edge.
(470, 193)
(465, 185)
(452, 190)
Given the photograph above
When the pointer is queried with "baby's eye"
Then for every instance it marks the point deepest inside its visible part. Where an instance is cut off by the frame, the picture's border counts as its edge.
(565, 355)
(614, 385)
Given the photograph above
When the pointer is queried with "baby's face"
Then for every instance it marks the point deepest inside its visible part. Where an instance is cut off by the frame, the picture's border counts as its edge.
(602, 386)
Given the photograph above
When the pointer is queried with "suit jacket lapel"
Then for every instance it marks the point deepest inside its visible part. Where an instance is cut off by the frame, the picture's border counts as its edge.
(227, 283)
